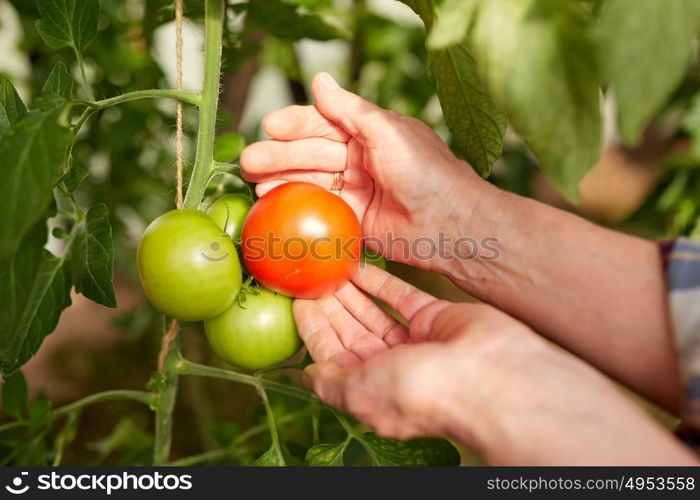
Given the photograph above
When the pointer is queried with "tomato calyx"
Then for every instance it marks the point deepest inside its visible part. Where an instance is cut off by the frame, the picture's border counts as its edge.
(248, 287)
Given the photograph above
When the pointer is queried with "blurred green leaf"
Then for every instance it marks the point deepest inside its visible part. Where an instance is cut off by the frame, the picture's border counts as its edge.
(454, 17)
(33, 154)
(695, 234)
(14, 395)
(92, 257)
(286, 21)
(126, 438)
(271, 458)
(228, 147)
(326, 455)
(538, 60)
(12, 109)
(70, 23)
(411, 453)
(645, 47)
(36, 289)
(39, 415)
(691, 124)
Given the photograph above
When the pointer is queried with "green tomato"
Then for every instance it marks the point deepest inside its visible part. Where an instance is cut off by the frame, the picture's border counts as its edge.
(258, 333)
(229, 211)
(370, 257)
(189, 269)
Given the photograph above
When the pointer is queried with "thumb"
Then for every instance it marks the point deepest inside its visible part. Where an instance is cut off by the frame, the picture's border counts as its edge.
(354, 114)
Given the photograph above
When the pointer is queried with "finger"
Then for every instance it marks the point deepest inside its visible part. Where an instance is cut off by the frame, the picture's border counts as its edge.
(300, 122)
(405, 298)
(267, 157)
(356, 115)
(371, 315)
(264, 188)
(424, 327)
(327, 380)
(355, 337)
(354, 182)
(319, 336)
(323, 179)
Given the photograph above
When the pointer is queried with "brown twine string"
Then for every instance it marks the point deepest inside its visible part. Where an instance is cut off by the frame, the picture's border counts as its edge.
(171, 334)
(179, 142)
(165, 346)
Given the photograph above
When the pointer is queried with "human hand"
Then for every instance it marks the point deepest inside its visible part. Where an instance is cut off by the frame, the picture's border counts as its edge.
(399, 176)
(471, 373)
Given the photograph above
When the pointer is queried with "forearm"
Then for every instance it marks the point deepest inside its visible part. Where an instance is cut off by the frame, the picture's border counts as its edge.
(560, 411)
(599, 293)
(614, 434)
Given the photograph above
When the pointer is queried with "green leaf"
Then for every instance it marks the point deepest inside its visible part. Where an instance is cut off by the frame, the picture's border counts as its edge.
(452, 23)
(36, 289)
(5, 124)
(71, 23)
(92, 257)
(286, 21)
(39, 415)
(691, 124)
(326, 455)
(646, 47)
(75, 177)
(125, 436)
(695, 233)
(476, 123)
(537, 58)
(14, 396)
(57, 88)
(33, 155)
(228, 147)
(414, 452)
(271, 458)
(13, 109)
(59, 83)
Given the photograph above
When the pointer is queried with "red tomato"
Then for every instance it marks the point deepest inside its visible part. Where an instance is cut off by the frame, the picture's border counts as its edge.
(302, 241)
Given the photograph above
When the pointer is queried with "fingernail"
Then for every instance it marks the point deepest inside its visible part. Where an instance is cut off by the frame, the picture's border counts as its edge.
(328, 81)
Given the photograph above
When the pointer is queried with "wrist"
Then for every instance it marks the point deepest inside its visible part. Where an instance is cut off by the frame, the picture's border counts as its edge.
(471, 232)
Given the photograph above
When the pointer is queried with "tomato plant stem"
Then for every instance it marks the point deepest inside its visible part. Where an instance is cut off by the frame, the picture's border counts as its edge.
(165, 403)
(81, 65)
(204, 158)
(232, 449)
(184, 367)
(140, 396)
(180, 95)
(271, 423)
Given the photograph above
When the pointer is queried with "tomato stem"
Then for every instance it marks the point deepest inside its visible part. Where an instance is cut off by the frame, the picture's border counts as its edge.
(233, 448)
(139, 396)
(203, 164)
(184, 367)
(165, 403)
(180, 95)
(81, 65)
(204, 158)
(272, 424)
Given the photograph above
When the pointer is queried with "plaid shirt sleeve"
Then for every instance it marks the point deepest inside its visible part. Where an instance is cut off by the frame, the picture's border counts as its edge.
(682, 264)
